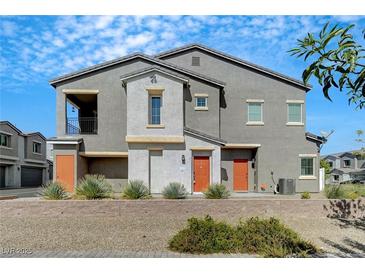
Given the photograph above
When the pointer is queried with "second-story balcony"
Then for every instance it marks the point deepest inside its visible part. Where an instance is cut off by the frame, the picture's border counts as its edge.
(81, 125)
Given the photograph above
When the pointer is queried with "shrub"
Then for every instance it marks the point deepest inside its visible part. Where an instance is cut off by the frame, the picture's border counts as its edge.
(174, 191)
(135, 189)
(217, 191)
(54, 191)
(204, 236)
(334, 192)
(271, 238)
(306, 195)
(266, 237)
(93, 187)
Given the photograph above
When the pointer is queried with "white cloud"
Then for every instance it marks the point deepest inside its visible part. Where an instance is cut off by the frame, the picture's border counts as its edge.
(139, 39)
(8, 28)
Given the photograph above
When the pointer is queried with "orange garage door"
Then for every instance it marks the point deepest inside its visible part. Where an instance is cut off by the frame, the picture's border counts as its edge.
(65, 171)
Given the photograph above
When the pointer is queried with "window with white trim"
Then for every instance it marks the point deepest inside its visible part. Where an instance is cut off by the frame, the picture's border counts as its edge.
(295, 113)
(201, 102)
(4, 140)
(255, 112)
(307, 166)
(36, 147)
(155, 110)
(346, 163)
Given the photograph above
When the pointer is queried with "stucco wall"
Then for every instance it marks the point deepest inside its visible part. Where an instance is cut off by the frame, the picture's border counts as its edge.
(138, 105)
(28, 144)
(280, 144)
(172, 169)
(13, 149)
(228, 155)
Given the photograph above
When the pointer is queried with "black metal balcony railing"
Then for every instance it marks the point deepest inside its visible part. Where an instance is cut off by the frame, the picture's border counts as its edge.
(82, 125)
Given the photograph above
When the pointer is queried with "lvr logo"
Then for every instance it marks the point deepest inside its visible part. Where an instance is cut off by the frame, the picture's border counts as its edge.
(153, 79)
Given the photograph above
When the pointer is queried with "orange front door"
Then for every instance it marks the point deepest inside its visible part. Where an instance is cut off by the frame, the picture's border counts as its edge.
(201, 173)
(240, 175)
(65, 171)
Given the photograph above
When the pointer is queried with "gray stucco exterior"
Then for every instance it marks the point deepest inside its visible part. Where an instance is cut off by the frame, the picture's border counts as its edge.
(273, 149)
(19, 162)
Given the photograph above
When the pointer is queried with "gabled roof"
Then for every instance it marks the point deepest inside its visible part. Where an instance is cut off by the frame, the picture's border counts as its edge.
(204, 136)
(348, 154)
(130, 57)
(162, 70)
(236, 60)
(36, 133)
(11, 125)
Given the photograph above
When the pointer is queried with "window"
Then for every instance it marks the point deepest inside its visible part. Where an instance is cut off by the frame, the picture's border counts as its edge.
(4, 140)
(295, 113)
(346, 163)
(201, 102)
(306, 166)
(155, 110)
(36, 147)
(255, 113)
(336, 177)
(330, 164)
(195, 61)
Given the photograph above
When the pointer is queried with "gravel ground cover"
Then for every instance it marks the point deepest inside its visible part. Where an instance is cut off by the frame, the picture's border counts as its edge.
(143, 228)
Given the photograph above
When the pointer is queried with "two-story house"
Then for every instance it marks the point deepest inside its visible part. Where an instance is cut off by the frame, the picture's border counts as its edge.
(22, 157)
(191, 115)
(345, 166)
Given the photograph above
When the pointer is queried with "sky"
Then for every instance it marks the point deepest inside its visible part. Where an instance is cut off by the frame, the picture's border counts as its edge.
(35, 49)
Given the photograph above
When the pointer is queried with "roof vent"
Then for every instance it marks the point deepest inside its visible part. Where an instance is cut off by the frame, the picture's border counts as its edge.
(195, 61)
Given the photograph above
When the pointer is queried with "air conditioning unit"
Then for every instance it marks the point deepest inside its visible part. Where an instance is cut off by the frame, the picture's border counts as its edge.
(286, 186)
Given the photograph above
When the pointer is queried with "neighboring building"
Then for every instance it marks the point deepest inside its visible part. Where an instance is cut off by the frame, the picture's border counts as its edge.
(345, 166)
(192, 115)
(22, 157)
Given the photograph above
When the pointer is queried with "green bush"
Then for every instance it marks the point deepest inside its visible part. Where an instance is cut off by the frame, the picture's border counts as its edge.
(345, 191)
(135, 189)
(266, 237)
(334, 192)
(93, 186)
(174, 191)
(204, 236)
(217, 191)
(271, 238)
(306, 195)
(54, 191)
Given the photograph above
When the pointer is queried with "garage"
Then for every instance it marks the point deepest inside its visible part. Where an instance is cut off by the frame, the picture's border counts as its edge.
(31, 176)
(2, 176)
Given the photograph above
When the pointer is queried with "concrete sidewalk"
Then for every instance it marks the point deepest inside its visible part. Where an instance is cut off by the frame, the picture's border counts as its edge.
(21, 192)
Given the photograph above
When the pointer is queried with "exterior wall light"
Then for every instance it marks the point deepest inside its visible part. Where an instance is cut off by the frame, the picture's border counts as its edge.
(183, 159)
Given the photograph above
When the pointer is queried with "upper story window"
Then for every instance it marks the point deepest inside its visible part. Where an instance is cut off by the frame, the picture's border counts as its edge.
(195, 61)
(201, 101)
(295, 112)
(155, 114)
(4, 140)
(347, 163)
(255, 112)
(36, 147)
(330, 164)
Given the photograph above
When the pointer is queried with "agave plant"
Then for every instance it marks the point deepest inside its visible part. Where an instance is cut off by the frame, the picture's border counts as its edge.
(53, 191)
(135, 189)
(174, 191)
(93, 187)
(217, 191)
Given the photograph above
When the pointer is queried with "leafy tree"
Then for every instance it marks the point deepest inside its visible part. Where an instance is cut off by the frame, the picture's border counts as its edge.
(327, 168)
(338, 62)
(361, 141)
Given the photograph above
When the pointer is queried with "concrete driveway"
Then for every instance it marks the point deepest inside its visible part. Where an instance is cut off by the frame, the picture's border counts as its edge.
(21, 192)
